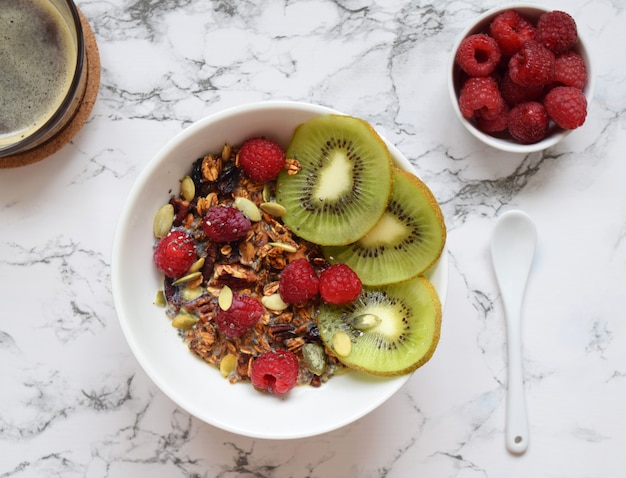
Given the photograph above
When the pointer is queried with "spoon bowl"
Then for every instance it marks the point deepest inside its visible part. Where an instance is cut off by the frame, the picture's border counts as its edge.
(512, 250)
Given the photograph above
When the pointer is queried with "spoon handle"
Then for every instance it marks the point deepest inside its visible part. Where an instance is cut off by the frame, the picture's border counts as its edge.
(516, 433)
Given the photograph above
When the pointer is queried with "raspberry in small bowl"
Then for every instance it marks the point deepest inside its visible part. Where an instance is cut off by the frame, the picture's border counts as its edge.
(504, 67)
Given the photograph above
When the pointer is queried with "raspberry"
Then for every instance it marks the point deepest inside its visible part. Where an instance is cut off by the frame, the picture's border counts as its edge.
(175, 253)
(514, 94)
(532, 65)
(511, 30)
(478, 55)
(298, 282)
(241, 316)
(570, 70)
(556, 31)
(339, 284)
(480, 97)
(528, 122)
(261, 159)
(566, 106)
(499, 123)
(275, 371)
(225, 224)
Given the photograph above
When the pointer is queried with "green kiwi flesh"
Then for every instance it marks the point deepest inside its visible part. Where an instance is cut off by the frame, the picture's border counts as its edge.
(403, 339)
(344, 184)
(405, 242)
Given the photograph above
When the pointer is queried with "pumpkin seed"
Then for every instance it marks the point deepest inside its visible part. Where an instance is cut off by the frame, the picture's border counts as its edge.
(342, 345)
(184, 321)
(163, 220)
(160, 299)
(365, 321)
(274, 302)
(282, 245)
(267, 193)
(226, 150)
(314, 357)
(192, 293)
(225, 299)
(188, 188)
(196, 266)
(187, 278)
(273, 208)
(248, 208)
(228, 365)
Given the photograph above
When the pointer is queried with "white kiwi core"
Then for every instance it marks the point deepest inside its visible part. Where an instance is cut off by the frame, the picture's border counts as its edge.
(335, 178)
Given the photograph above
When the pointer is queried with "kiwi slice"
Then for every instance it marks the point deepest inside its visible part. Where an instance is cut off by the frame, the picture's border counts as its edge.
(388, 330)
(405, 242)
(344, 184)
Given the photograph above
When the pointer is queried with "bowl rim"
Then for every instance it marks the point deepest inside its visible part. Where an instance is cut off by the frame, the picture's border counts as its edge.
(500, 143)
(128, 217)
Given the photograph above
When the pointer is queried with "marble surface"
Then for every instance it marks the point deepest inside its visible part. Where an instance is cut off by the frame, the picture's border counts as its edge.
(73, 400)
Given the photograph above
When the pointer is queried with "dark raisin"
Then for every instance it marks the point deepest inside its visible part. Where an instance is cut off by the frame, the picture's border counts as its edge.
(313, 334)
(228, 178)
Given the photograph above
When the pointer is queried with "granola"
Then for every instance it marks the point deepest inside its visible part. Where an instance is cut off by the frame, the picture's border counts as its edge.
(251, 266)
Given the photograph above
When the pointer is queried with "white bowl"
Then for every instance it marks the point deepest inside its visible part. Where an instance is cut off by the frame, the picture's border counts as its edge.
(531, 12)
(194, 385)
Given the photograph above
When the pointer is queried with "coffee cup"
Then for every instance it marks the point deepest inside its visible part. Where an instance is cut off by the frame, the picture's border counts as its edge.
(42, 71)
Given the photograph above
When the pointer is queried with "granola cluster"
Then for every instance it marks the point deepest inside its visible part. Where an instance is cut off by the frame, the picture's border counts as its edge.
(250, 266)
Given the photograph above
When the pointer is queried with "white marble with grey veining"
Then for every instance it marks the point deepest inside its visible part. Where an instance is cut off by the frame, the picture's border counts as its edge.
(75, 403)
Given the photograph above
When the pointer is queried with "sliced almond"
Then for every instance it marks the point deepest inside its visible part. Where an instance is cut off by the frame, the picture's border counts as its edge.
(225, 299)
(248, 208)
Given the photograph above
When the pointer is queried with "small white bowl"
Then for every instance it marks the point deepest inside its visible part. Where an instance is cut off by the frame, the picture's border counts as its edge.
(194, 385)
(555, 134)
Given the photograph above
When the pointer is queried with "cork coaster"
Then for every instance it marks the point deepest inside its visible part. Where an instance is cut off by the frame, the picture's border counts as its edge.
(92, 60)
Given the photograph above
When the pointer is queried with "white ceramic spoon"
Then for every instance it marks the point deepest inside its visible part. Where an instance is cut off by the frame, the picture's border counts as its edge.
(512, 250)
